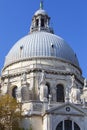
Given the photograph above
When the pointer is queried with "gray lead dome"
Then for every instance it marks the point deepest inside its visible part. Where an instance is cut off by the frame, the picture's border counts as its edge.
(41, 44)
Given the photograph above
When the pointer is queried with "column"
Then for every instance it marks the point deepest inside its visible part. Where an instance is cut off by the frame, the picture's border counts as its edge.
(49, 122)
(39, 23)
(63, 124)
(72, 125)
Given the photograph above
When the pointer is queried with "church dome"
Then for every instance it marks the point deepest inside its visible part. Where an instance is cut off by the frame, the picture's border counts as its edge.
(41, 44)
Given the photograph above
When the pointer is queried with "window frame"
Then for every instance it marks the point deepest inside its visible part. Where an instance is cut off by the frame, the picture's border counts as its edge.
(60, 98)
(62, 126)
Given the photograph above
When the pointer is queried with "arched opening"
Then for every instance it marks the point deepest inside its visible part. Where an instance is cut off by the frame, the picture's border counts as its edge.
(67, 125)
(49, 91)
(37, 22)
(14, 91)
(60, 126)
(42, 22)
(60, 93)
(76, 127)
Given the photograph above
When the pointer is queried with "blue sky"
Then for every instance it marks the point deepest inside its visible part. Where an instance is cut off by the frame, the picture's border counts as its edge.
(68, 18)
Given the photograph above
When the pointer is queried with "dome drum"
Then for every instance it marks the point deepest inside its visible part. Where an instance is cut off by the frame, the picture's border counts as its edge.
(49, 64)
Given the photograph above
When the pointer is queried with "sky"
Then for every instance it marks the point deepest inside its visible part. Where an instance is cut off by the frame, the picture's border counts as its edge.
(68, 19)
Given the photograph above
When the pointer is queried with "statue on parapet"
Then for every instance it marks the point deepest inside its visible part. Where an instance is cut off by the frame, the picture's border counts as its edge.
(43, 89)
(75, 92)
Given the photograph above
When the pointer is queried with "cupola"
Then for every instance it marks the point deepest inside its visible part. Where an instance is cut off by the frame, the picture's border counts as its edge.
(41, 21)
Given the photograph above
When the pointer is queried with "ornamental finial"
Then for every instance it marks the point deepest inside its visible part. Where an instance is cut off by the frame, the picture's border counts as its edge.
(41, 4)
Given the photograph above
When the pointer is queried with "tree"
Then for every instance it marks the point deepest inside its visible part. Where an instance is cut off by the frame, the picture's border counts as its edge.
(10, 113)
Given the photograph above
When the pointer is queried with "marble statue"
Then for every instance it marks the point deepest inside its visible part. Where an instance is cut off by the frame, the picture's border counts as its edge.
(42, 77)
(75, 92)
(43, 88)
(43, 92)
(73, 80)
(75, 95)
(24, 76)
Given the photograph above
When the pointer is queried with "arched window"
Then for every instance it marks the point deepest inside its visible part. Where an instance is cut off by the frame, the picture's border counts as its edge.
(76, 127)
(60, 126)
(37, 22)
(60, 93)
(14, 92)
(67, 125)
(42, 22)
(48, 85)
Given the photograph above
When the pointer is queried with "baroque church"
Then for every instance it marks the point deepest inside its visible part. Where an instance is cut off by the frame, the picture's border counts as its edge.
(42, 72)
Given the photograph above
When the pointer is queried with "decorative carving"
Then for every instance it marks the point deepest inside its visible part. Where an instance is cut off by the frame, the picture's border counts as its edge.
(37, 107)
(75, 95)
(43, 92)
(68, 88)
(67, 93)
(73, 80)
(68, 109)
(42, 77)
(24, 78)
(75, 92)
(25, 93)
(50, 97)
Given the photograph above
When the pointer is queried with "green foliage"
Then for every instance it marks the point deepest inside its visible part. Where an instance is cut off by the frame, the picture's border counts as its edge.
(9, 113)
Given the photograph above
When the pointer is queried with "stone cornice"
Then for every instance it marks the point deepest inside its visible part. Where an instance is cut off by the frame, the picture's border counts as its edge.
(46, 71)
(47, 58)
